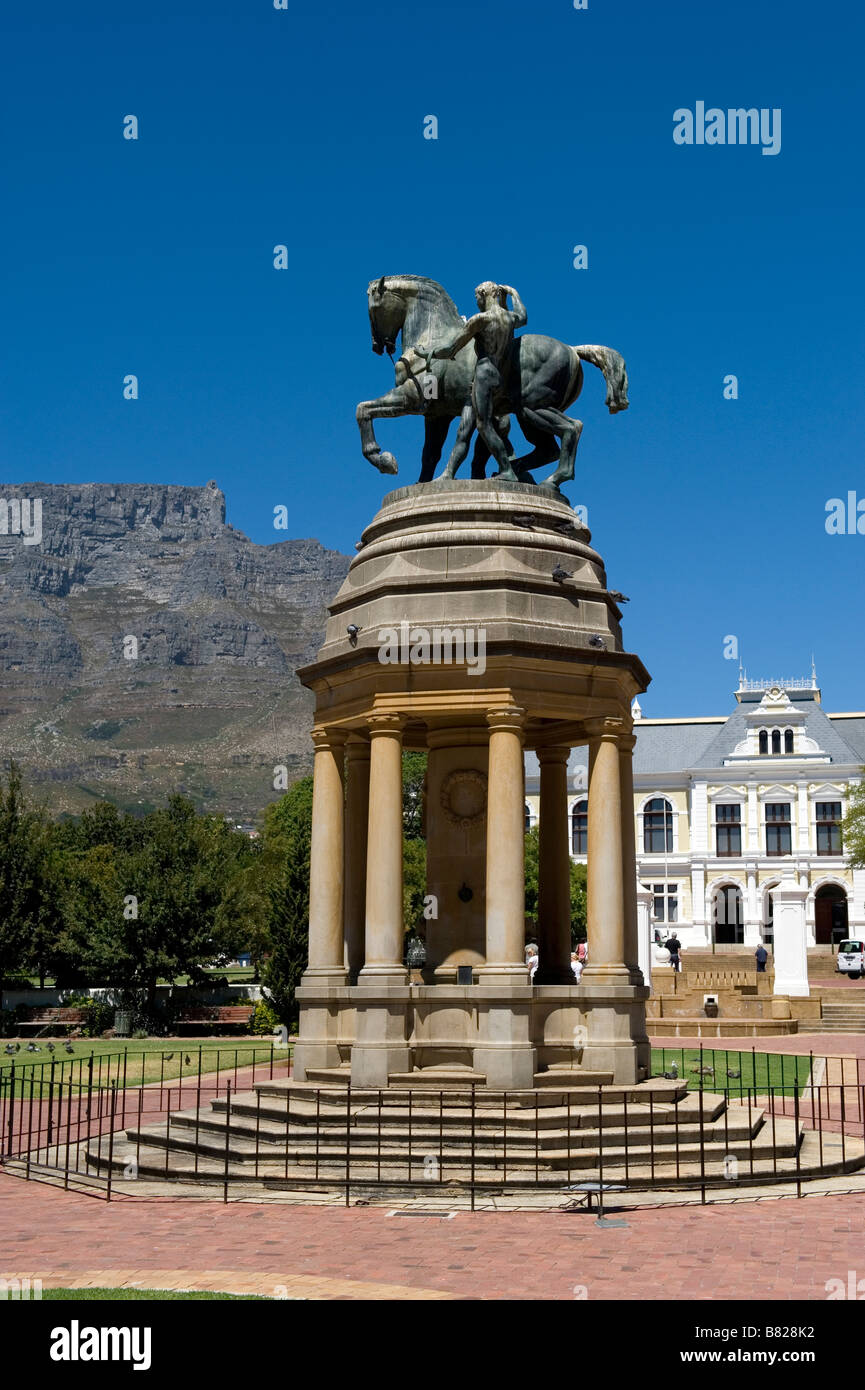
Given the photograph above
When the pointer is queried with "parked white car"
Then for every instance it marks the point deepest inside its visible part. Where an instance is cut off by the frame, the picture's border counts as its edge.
(851, 959)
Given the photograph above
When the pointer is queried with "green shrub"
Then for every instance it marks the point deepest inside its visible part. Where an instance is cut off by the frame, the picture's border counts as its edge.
(99, 1013)
(265, 1018)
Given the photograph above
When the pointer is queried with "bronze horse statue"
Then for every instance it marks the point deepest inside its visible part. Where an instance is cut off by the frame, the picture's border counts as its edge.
(545, 377)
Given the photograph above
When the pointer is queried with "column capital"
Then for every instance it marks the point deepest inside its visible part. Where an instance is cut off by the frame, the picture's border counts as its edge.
(392, 724)
(553, 753)
(506, 717)
(627, 743)
(607, 729)
(324, 737)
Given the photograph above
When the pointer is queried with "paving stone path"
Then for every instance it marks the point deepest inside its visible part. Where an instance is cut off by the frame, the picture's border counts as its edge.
(772, 1249)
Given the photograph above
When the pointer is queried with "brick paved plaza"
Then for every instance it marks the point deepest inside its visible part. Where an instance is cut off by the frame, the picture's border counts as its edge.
(772, 1249)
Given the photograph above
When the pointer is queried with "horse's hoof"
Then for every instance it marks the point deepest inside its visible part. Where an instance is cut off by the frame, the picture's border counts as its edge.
(387, 463)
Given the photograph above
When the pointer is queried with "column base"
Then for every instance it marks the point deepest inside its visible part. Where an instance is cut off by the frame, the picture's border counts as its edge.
(507, 1067)
(616, 1039)
(381, 1020)
(506, 973)
(385, 974)
(603, 975)
(324, 975)
(313, 1056)
(372, 1063)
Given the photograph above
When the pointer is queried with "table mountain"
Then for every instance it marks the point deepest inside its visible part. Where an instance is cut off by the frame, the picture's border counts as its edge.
(147, 647)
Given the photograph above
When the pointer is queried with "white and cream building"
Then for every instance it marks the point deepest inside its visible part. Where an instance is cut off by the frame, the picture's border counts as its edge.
(725, 807)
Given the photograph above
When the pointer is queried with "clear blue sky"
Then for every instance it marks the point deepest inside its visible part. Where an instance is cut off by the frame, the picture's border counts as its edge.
(304, 127)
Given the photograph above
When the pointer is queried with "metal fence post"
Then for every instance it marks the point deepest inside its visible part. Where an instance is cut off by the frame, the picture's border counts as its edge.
(111, 1139)
(227, 1140)
(348, 1142)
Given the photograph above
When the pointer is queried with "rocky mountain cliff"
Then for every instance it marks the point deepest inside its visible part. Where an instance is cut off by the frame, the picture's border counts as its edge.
(147, 647)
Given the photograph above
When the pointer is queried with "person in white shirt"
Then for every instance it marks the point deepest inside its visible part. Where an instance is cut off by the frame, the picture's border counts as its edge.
(576, 966)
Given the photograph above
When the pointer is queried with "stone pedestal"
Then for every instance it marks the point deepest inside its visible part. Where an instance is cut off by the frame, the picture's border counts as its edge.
(471, 646)
(789, 948)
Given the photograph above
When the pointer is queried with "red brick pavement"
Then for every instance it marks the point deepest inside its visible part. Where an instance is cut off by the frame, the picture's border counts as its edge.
(775, 1249)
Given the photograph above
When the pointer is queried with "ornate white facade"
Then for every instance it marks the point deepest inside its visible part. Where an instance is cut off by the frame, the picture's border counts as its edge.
(726, 807)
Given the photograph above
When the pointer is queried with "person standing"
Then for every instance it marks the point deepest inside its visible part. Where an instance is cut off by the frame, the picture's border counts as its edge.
(674, 946)
(761, 955)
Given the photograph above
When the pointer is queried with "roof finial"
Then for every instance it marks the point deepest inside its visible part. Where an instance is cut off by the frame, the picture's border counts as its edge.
(813, 672)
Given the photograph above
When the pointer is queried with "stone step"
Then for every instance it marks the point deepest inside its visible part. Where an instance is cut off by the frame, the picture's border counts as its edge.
(763, 1155)
(187, 1127)
(571, 1078)
(481, 1097)
(309, 1112)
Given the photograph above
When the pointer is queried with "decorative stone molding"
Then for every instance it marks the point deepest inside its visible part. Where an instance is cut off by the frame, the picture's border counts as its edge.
(392, 724)
(463, 797)
(510, 717)
(323, 737)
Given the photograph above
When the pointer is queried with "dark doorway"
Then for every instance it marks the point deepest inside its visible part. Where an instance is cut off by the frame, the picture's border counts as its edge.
(830, 915)
(727, 912)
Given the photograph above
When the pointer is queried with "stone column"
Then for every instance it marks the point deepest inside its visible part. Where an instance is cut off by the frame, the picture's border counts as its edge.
(356, 822)
(505, 876)
(554, 871)
(505, 1052)
(616, 1045)
(382, 994)
(627, 743)
(318, 1044)
(606, 889)
(326, 950)
(384, 921)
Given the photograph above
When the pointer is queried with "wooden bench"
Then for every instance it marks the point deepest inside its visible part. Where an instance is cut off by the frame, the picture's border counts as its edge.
(53, 1018)
(215, 1016)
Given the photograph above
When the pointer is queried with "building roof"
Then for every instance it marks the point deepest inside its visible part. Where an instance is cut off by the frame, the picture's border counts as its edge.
(671, 746)
(666, 746)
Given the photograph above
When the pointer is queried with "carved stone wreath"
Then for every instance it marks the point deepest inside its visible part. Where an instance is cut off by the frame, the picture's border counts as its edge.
(464, 797)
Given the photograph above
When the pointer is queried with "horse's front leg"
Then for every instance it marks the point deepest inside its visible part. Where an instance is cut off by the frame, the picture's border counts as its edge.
(396, 402)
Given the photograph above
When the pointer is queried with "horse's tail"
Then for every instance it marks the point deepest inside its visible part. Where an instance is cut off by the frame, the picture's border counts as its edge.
(612, 364)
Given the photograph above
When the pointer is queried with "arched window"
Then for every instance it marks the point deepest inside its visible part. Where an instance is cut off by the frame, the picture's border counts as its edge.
(527, 823)
(776, 740)
(580, 828)
(788, 740)
(658, 826)
(764, 741)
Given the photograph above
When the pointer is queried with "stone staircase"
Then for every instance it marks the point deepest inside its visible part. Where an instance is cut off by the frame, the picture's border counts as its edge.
(845, 1016)
(443, 1128)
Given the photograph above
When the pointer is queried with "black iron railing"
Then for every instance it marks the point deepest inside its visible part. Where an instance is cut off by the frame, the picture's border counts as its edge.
(237, 1127)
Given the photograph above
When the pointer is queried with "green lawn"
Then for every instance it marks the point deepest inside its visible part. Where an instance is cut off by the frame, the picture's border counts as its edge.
(760, 1071)
(146, 1060)
(139, 1295)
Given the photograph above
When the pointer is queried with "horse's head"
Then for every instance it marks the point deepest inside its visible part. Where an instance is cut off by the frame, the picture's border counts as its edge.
(387, 309)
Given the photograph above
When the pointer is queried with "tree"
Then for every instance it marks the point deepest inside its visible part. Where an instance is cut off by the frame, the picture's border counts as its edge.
(23, 847)
(853, 827)
(413, 882)
(145, 897)
(287, 836)
(413, 787)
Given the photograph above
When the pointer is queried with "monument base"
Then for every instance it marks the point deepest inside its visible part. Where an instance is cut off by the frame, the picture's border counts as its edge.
(511, 1035)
